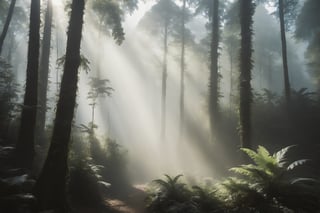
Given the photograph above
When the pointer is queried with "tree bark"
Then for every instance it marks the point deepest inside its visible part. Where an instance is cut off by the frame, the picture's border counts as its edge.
(214, 75)
(44, 72)
(7, 24)
(25, 144)
(182, 70)
(164, 81)
(246, 14)
(287, 88)
(51, 186)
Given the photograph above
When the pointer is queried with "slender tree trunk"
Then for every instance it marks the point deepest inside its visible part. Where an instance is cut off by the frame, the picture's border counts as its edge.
(51, 186)
(25, 144)
(214, 75)
(92, 116)
(44, 71)
(246, 14)
(164, 81)
(287, 89)
(182, 70)
(231, 80)
(7, 23)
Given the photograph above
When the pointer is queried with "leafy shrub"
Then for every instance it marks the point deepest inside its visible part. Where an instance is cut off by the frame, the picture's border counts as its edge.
(113, 158)
(84, 186)
(8, 96)
(170, 195)
(85, 182)
(270, 184)
(207, 199)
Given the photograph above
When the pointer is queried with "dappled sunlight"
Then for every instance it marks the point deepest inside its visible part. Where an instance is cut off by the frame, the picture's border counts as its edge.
(132, 114)
(159, 106)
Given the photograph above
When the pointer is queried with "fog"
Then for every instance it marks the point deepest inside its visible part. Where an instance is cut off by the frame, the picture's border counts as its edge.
(131, 115)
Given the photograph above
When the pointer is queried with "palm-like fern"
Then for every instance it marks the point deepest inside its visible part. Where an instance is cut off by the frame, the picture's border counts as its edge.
(172, 188)
(169, 193)
(207, 199)
(270, 178)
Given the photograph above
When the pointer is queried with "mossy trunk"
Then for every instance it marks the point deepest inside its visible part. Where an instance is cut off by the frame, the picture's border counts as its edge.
(214, 74)
(246, 22)
(50, 188)
(287, 89)
(25, 144)
(44, 73)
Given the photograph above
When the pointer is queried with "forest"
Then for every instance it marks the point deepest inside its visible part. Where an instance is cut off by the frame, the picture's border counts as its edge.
(159, 106)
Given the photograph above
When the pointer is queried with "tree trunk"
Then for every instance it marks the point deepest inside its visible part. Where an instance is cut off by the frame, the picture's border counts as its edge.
(7, 23)
(214, 75)
(246, 14)
(44, 72)
(287, 89)
(25, 144)
(182, 70)
(51, 185)
(92, 116)
(231, 81)
(164, 81)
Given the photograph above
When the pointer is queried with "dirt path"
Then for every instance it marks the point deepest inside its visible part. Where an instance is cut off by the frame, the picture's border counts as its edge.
(133, 201)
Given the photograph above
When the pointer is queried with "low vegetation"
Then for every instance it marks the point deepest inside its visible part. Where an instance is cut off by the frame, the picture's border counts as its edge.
(270, 184)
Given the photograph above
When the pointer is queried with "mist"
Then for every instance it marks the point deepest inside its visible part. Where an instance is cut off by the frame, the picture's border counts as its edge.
(157, 109)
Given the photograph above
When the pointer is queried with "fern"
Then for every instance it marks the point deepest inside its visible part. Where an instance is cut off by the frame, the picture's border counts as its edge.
(268, 179)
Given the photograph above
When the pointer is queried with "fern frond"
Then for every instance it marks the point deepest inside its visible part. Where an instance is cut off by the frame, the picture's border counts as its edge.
(252, 154)
(305, 181)
(176, 178)
(281, 155)
(297, 163)
(241, 171)
(162, 183)
(263, 151)
(262, 158)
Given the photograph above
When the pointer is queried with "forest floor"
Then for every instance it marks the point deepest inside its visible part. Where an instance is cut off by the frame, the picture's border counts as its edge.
(130, 201)
(16, 188)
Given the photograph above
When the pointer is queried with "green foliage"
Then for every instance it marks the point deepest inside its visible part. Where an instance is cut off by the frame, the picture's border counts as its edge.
(163, 14)
(84, 63)
(110, 15)
(9, 90)
(98, 88)
(270, 183)
(270, 118)
(85, 184)
(115, 162)
(207, 199)
(170, 195)
(84, 187)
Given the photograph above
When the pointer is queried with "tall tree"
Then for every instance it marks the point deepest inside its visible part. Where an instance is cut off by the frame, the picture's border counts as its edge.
(7, 23)
(51, 186)
(214, 74)
(182, 67)
(25, 144)
(287, 88)
(98, 88)
(286, 12)
(162, 18)
(246, 22)
(231, 41)
(213, 10)
(44, 71)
